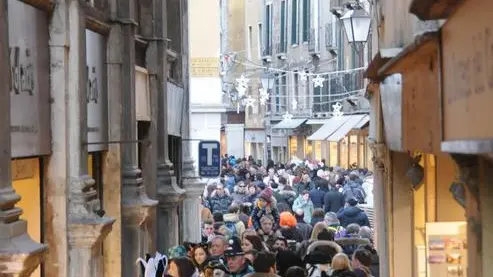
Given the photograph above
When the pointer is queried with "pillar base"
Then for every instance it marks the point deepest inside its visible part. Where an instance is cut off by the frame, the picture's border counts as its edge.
(19, 254)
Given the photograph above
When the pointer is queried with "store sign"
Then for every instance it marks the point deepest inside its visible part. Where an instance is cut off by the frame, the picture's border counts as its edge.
(468, 72)
(29, 80)
(97, 131)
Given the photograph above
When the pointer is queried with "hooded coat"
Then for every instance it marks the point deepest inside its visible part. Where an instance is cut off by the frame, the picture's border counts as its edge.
(353, 214)
(313, 253)
(239, 225)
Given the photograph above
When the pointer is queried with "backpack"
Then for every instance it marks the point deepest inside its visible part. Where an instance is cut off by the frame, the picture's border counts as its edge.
(357, 193)
(231, 226)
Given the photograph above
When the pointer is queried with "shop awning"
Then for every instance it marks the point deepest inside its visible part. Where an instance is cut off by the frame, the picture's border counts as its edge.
(363, 122)
(317, 121)
(433, 9)
(329, 127)
(382, 57)
(350, 124)
(289, 123)
(419, 66)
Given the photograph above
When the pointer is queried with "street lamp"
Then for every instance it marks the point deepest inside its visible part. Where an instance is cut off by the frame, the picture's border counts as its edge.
(357, 25)
(267, 82)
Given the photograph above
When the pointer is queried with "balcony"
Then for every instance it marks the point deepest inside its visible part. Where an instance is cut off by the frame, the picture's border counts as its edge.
(314, 42)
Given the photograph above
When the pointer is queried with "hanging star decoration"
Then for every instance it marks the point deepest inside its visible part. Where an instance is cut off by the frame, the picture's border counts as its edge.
(287, 116)
(242, 85)
(303, 76)
(318, 81)
(264, 96)
(337, 110)
(294, 104)
(249, 102)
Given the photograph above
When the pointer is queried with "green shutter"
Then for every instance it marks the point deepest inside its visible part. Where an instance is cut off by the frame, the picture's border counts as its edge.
(283, 27)
(268, 27)
(294, 22)
(306, 19)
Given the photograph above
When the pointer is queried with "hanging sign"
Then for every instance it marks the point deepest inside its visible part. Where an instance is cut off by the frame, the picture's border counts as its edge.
(29, 80)
(96, 91)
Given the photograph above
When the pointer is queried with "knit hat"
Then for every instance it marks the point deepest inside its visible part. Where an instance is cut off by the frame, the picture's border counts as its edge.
(266, 195)
(287, 220)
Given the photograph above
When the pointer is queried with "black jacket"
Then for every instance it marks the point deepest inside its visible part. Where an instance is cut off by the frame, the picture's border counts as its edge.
(333, 201)
(353, 215)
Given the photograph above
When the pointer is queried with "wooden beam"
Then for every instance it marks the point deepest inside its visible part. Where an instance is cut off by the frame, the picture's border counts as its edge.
(96, 20)
(434, 9)
(423, 45)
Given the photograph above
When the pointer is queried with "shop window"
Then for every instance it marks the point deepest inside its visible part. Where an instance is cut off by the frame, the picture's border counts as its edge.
(95, 170)
(293, 147)
(353, 151)
(26, 181)
(318, 150)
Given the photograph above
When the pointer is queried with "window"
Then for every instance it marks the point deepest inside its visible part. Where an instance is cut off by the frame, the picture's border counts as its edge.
(249, 42)
(317, 99)
(284, 25)
(268, 30)
(260, 41)
(306, 20)
(294, 22)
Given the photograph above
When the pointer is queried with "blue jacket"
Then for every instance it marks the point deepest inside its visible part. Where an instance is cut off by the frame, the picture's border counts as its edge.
(218, 203)
(317, 197)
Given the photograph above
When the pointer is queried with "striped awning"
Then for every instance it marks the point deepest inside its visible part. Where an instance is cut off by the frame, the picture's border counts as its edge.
(330, 126)
(289, 123)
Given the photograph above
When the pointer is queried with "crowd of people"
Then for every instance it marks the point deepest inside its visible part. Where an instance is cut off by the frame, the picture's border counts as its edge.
(290, 220)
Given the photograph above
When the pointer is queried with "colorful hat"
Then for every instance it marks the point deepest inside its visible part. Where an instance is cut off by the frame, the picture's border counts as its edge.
(266, 195)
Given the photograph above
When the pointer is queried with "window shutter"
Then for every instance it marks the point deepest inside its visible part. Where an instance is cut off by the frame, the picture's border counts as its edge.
(283, 27)
(306, 19)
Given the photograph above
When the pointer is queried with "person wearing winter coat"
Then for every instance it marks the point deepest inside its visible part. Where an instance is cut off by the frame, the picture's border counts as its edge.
(220, 200)
(305, 184)
(240, 193)
(317, 194)
(333, 200)
(361, 262)
(319, 257)
(288, 228)
(233, 222)
(304, 203)
(353, 189)
(264, 265)
(304, 228)
(264, 207)
(352, 214)
(341, 266)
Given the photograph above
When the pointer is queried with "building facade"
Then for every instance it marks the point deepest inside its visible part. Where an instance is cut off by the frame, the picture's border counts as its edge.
(94, 163)
(206, 92)
(428, 84)
(280, 47)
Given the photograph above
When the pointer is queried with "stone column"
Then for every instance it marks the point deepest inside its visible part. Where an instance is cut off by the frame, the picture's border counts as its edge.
(169, 193)
(136, 205)
(67, 167)
(191, 182)
(19, 254)
(380, 159)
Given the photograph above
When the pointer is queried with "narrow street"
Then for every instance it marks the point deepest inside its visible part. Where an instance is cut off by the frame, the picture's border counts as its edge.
(245, 138)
